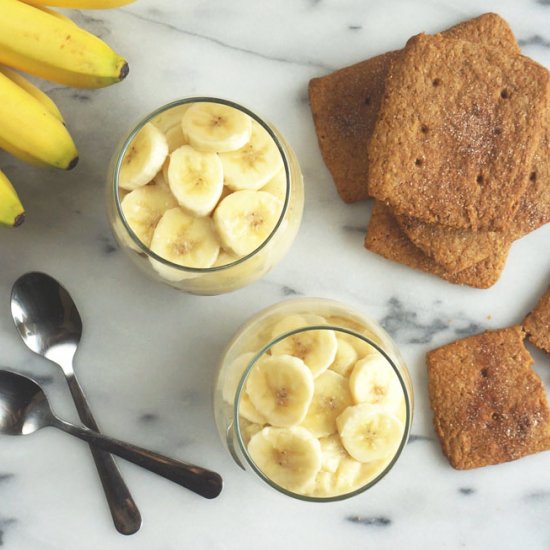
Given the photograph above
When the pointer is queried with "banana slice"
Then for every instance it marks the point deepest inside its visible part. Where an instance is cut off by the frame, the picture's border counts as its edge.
(277, 185)
(144, 207)
(216, 128)
(340, 474)
(195, 179)
(245, 219)
(373, 381)
(369, 432)
(233, 375)
(317, 348)
(144, 158)
(281, 389)
(225, 258)
(175, 138)
(170, 118)
(346, 357)
(330, 397)
(254, 164)
(290, 457)
(249, 430)
(184, 240)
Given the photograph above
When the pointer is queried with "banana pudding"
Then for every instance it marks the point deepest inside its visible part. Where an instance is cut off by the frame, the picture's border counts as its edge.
(315, 399)
(205, 196)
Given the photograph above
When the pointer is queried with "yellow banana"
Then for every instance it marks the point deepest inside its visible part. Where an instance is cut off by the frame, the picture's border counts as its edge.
(81, 4)
(35, 91)
(12, 213)
(52, 12)
(30, 132)
(44, 45)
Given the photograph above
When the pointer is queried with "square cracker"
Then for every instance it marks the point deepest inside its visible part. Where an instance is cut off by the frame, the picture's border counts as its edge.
(456, 132)
(489, 405)
(457, 249)
(345, 104)
(537, 323)
(385, 237)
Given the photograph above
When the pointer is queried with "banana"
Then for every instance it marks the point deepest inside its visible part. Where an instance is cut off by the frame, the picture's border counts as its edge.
(281, 389)
(231, 378)
(170, 117)
(29, 131)
(254, 164)
(184, 240)
(346, 356)
(317, 348)
(35, 91)
(44, 45)
(277, 185)
(52, 12)
(248, 430)
(195, 179)
(340, 474)
(362, 347)
(290, 457)
(144, 207)
(215, 128)
(144, 158)
(373, 381)
(330, 397)
(225, 258)
(245, 219)
(174, 138)
(12, 212)
(81, 4)
(232, 375)
(369, 432)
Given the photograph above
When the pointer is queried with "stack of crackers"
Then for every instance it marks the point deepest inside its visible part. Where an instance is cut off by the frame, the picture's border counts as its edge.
(451, 137)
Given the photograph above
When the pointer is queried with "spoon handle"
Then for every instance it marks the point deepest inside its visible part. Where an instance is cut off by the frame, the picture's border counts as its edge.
(204, 482)
(124, 511)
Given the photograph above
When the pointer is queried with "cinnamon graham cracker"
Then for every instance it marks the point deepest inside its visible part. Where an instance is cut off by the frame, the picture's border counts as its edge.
(537, 323)
(489, 405)
(386, 238)
(456, 132)
(345, 105)
(457, 249)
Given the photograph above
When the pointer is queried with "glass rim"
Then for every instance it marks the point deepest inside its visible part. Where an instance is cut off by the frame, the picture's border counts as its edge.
(387, 467)
(126, 144)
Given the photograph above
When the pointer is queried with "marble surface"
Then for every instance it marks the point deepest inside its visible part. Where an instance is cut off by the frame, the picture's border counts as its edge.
(149, 353)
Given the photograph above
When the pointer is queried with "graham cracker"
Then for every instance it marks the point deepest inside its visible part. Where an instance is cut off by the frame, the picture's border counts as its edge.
(456, 132)
(385, 237)
(537, 323)
(345, 105)
(489, 405)
(457, 249)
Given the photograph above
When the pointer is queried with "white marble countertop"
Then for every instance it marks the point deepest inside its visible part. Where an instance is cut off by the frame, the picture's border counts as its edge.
(149, 353)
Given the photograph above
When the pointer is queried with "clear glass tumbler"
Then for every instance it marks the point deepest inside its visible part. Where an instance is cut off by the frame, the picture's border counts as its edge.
(217, 279)
(365, 353)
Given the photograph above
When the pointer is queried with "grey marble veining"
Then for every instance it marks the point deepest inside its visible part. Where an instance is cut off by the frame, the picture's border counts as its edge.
(149, 354)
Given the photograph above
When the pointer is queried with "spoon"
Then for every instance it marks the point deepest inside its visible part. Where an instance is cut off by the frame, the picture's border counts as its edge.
(24, 409)
(50, 325)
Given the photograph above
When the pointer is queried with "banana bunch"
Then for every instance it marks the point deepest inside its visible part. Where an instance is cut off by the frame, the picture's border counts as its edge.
(47, 44)
(322, 413)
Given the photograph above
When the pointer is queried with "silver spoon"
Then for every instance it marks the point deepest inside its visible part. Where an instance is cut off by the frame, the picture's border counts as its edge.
(50, 325)
(24, 409)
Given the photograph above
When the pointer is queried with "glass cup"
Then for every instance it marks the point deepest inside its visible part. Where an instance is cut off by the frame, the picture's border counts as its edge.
(257, 342)
(219, 278)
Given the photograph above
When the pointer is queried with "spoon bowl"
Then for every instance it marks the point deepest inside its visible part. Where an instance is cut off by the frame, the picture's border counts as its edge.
(46, 316)
(24, 407)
